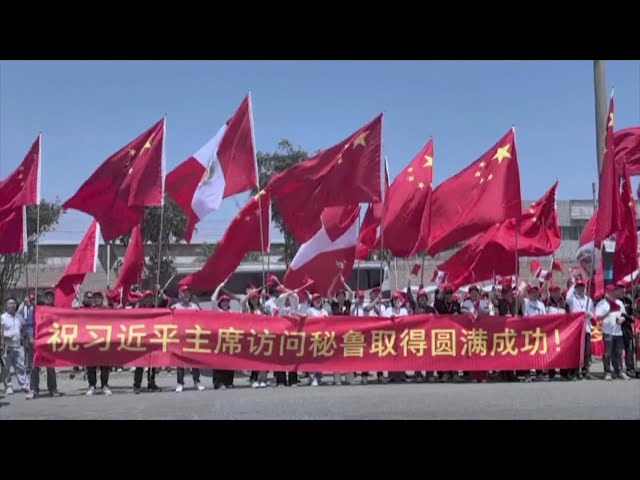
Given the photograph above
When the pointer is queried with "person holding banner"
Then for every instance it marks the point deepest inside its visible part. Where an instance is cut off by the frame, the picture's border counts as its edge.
(420, 306)
(578, 301)
(397, 309)
(147, 300)
(447, 305)
(556, 304)
(185, 303)
(287, 306)
(222, 379)
(251, 304)
(96, 300)
(316, 310)
(610, 310)
(52, 383)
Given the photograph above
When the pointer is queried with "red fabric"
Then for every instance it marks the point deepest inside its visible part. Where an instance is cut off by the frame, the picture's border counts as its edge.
(338, 344)
(21, 186)
(131, 270)
(625, 257)
(82, 262)
(243, 235)
(494, 252)
(237, 155)
(534, 266)
(321, 257)
(627, 148)
(609, 208)
(416, 269)
(346, 174)
(407, 203)
(126, 182)
(482, 195)
(369, 239)
(557, 266)
(12, 231)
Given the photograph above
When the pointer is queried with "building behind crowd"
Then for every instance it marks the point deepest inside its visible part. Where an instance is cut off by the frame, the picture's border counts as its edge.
(573, 216)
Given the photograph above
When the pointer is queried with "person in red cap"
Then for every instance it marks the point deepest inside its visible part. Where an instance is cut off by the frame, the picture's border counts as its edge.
(222, 379)
(287, 306)
(316, 310)
(610, 310)
(420, 306)
(556, 304)
(396, 309)
(447, 305)
(473, 307)
(341, 306)
(146, 299)
(92, 372)
(578, 301)
(252, 303)
(371, 309)
(185, 303)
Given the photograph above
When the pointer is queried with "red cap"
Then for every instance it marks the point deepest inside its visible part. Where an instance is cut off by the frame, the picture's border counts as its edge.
(620, 285)
(222, 298)
(315, 296)
(184, 288)
(148, 293)
(421, 293)
(32, 297)
(303, 296)
(610, 288)
(253, 294)
(555, 287)
(360, 294)
(447, 289)
(397, 294)
(533, 287)
(375, 290)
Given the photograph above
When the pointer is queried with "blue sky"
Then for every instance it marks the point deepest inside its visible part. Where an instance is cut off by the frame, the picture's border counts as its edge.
(88, 109)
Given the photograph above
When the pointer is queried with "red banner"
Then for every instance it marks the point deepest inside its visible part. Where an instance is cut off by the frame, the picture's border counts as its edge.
(234, 341)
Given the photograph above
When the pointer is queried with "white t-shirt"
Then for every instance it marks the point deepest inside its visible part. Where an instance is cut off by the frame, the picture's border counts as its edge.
(180, 306)
(317, 312)
(357, 310)
(271, 306)
(393, 312)
(12, 329)
(532, 308)
(578, 304)
(610, 326)
(552, 309)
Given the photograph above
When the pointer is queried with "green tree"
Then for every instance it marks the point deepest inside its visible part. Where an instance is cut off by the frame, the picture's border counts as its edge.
(269, 164)
(174, 222)
(13, 266)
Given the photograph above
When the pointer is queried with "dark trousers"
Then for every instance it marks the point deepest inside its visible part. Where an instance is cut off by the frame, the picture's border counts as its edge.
(52, 384)
(281, 378)
(613, 347)
(587, 353)
(223, 377)
(137, 377)
(629, 353)
(92, 376)
(195, 373)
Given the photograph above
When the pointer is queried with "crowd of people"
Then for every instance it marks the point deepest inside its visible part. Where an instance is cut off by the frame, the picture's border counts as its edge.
(616, 310)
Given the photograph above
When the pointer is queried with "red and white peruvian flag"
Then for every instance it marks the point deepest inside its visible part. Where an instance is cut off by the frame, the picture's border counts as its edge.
(439, 277)
(544, 275)
(323, 259)
(225, 166)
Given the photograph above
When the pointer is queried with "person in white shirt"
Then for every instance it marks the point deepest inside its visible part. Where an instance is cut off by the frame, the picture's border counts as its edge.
(12, 332)
(577, 301)
(372, 309)
(532, 306)
(251, 304)
(185, 303)
(286, 305)
(316, 310)
(610, 310)
(396, 309)
(222, 379)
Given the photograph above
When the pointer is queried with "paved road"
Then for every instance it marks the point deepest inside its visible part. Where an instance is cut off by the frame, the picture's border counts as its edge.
(594, 399)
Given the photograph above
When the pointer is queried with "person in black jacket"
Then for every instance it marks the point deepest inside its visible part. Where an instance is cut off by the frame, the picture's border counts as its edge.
(447, 305)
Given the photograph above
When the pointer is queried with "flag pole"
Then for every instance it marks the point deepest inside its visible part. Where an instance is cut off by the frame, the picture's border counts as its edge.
(382, 234)
(592, 275)
(422, 270)
(358, 264)
(164, 139)
(261, 237)
(35, 293)
(259, 195)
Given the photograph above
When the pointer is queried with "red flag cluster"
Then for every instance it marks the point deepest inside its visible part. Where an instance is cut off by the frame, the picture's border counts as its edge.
(18, 191)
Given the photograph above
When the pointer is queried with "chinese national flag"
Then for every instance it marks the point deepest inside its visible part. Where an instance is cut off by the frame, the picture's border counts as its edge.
(84, 260)
(627, 148)
(482, 195)
(243, 235)
(22, 186)
(625, 257)
(346, 174)
(131, 270)
(369, 237)
(493, 252)
(225, 166)
(608, 221)
(129, 180)
(407, 203)
(13, 231)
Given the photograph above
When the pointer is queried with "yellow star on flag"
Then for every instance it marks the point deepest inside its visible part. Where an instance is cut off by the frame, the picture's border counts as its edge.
(148, 144)
(421, 185)
(490, 177)
(428, 161)
(478, 174)
(411, 178)
(410, 169)
(482, 163)
(481, 180)
(502, 153)
(248, 218)
(360, 140)
(610, 120)
(132, 152)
